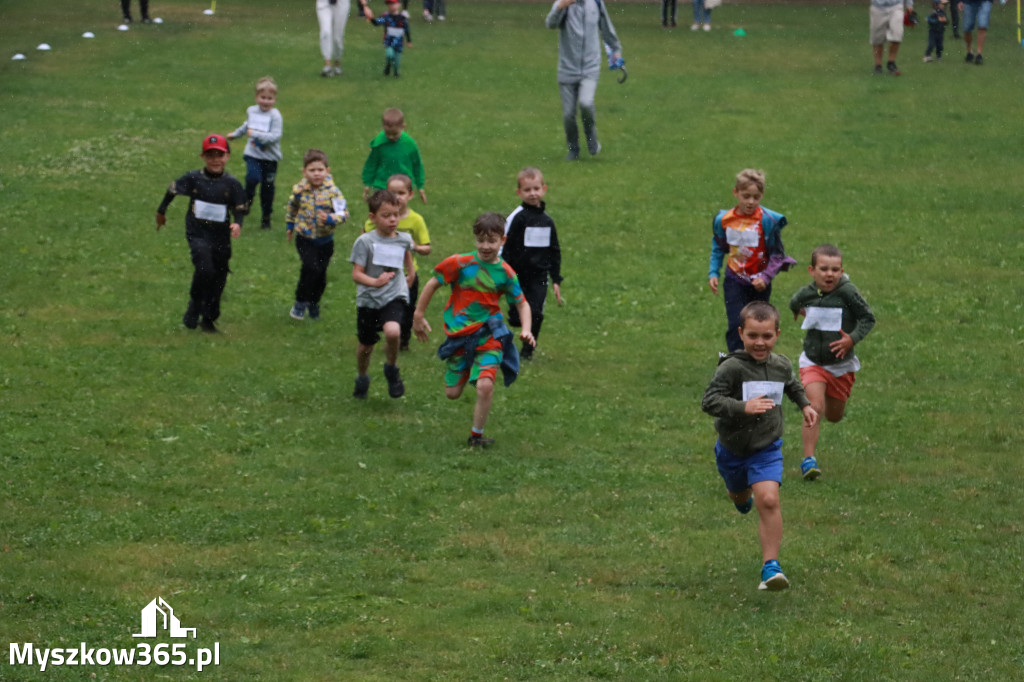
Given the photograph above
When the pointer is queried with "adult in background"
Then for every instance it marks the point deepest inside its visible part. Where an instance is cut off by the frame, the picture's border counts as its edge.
(126, 11)
(333, 15)
(975, 15)
(584, 26)
(887, 26)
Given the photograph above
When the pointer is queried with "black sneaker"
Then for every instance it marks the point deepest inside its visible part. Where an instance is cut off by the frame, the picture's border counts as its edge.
(526, 353)
(313, 310)
(479, 442)
(265, 223)
(362, 387)
(208, 326)
(969, 58)
(878, 70)
(396, 389)
(893, 69)
(126, 19)
(978, 60)
(191, 317)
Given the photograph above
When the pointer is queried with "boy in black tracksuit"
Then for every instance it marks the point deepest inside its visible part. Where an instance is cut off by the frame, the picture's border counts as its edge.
(531, 248)
(214, 198)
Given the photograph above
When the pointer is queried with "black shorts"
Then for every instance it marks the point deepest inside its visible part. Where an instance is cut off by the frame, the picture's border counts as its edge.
(370, 321)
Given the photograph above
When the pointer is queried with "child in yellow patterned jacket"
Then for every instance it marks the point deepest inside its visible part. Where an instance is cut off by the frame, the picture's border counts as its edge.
(315, 208)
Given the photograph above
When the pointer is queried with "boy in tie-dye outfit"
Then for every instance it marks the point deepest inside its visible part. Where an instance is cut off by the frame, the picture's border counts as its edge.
(479, 343)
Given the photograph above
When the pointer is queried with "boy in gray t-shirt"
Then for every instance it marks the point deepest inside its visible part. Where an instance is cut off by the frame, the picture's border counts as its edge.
(382, 269)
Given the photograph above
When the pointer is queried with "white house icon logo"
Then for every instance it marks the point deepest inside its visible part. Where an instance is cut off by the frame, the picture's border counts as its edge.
(156, 610)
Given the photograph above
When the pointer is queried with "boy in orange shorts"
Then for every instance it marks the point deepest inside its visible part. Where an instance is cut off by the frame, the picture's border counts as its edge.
(478, 343)
(836, 318)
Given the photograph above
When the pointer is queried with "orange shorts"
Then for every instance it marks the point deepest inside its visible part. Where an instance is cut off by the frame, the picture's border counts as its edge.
(835, 387)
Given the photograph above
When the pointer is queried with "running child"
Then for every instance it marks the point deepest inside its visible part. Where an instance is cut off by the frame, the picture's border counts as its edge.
(263, 125)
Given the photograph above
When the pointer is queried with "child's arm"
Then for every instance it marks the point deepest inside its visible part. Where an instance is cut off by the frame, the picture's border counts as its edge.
(864, 322)
(359, 276)
(718, 251)
(239, 131)
(420, 326)
(523, 308)
(810, 417)
(410, 273)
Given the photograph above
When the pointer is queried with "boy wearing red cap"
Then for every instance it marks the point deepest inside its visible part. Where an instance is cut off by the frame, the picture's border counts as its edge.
(216, 208)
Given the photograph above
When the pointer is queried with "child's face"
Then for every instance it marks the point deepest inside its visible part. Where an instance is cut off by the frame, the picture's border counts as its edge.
(266, 100)
(386, 219)
(394, 8)
(402, 192)
(215, 160)
(316, 172)
(759, 337)
(748, 198)
(532, 190)
(488, 247)
(826, 272)
(393, 130)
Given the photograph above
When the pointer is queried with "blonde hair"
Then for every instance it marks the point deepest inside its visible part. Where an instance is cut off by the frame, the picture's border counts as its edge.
(749, 176)
(393, 116)
(529, 172)
(402, 178)
(266, 84)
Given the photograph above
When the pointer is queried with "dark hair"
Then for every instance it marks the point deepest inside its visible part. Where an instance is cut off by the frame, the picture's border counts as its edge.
(825, 250)
(489, 224)
(760, 311)
(314, 155)
(379, 198)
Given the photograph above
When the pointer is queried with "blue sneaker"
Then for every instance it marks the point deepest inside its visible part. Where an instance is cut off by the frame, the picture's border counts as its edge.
(746, 506)
(772, 577)
(809, 468)
(298, 310)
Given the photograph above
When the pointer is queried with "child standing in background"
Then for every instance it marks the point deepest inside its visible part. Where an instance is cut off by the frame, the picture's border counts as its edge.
(396, 33)
(747, 237)
(316, 207)
(936, 30)
(412, 223)
(393, 151)
(263, 126)
(532, 249)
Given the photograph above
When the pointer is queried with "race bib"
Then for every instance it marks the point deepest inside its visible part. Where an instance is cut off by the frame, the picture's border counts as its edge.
(259, 122)
(389, 256)
(736, 237)
(395, 32)
(824, 319)
(339, 206)
(768, 389)
(537, 237)
(204, 210)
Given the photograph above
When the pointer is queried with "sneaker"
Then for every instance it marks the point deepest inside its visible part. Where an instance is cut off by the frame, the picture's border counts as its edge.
(893, 69)
(335, 70)
(440, 17)
(878, 70)
(387, 67)
(746, 506)
(265, 223)
(809, 468)
(527, 352)
(314, 311)
(772, 577)
(572, 156)
(327, 71)
(695, 27)
(927, 59)
(396, 389)
(594, 150)
(362, 387)
(147, 20)
(427, 16)
(208, 326)
(707, 27)
(476, 441)
(126, 19)
(191, 317)
(978, 60)
(969, 58)
(298, 310)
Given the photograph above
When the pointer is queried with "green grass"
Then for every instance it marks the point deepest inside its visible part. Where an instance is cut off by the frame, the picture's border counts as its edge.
(319, 539)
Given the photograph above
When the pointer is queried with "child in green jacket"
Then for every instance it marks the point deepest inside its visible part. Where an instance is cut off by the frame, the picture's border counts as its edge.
(393, 151)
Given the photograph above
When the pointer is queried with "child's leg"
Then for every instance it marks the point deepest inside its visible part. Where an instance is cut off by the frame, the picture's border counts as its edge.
(809, 434)
(253, 177)
(769, 510)
(570, 94)
(322, 260)
(269, 175)
(363, 353)
(484, 397)
(392, 334)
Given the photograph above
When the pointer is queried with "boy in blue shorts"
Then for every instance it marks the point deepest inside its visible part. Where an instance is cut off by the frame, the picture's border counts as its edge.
(745, 397)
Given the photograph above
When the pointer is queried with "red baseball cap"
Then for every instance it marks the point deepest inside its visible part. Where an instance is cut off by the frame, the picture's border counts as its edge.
(216, 142)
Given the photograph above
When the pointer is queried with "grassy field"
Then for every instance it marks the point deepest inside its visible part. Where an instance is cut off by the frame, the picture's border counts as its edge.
(316, 538)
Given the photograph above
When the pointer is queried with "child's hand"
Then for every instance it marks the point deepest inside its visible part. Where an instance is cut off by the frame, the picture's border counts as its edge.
(321, 217)
(420, 327)
(528, 338)
(759, 283)
(558, 294)
(810, 417)
(366, 193)
(289, 234)
(161, 220)
(383, 279)
(236, 230)
(713, 283)
(841, 346)
(800, 313)
(758, 405)
(423, 195)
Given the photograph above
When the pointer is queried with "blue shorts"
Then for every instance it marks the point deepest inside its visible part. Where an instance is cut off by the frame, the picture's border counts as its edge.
(739, 473)
(976, 16)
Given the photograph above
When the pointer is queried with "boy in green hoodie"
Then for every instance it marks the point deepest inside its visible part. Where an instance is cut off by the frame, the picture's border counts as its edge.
(393, 151)
(836, 318)
(745, 397)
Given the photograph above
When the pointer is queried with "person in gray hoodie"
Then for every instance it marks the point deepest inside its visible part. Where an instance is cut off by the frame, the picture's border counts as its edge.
(584, 25)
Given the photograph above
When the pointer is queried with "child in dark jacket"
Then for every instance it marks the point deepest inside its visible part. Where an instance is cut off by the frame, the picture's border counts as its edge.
(936, 30)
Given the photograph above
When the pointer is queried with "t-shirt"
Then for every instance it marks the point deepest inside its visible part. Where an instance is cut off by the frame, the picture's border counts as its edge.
(378, 255)
(477, 290)
(414, 225)
(747, 253)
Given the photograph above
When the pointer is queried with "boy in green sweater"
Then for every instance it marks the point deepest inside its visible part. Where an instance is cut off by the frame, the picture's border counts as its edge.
(836, 318)
(392, 152)
(745, 397)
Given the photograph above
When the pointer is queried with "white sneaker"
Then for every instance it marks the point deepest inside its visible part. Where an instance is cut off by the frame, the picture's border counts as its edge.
(695, 27)
(427, 16)
(707, 27)
(327, 71)
(440, 17)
